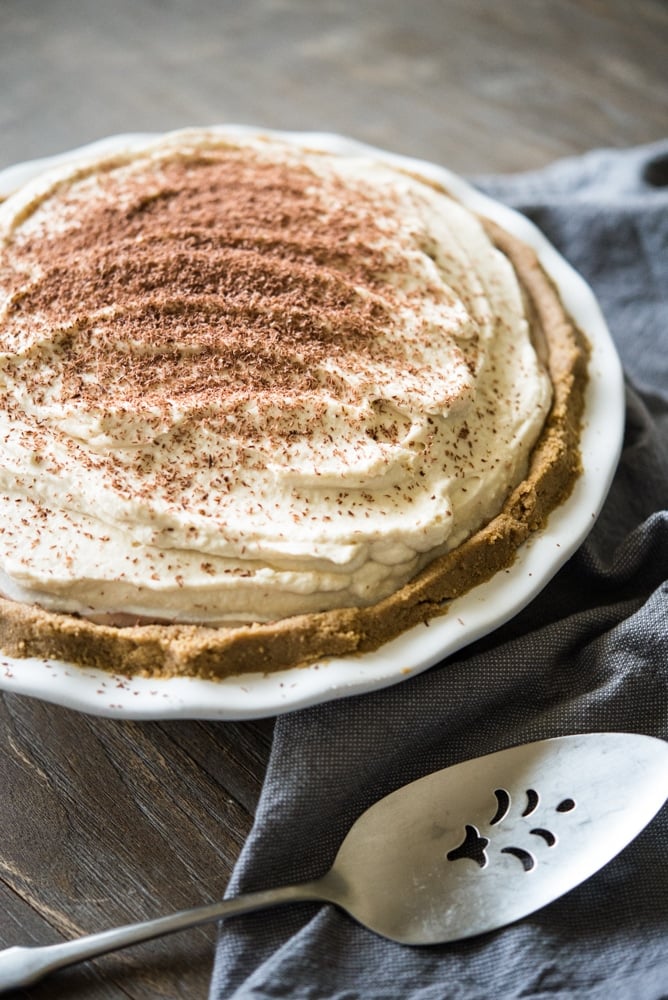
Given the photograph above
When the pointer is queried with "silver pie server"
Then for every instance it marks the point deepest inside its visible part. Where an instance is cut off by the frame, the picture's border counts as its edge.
(462, 851)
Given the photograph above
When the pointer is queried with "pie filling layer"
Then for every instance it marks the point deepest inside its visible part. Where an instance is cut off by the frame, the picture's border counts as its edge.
(260, 405)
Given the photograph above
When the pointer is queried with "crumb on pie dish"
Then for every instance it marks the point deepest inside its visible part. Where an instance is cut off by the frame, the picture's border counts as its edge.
(262, 405)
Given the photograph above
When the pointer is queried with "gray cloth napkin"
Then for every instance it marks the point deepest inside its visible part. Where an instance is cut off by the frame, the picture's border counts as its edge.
(590, 653)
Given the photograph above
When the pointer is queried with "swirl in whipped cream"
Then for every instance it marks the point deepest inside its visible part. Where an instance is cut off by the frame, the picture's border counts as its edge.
(240, 381)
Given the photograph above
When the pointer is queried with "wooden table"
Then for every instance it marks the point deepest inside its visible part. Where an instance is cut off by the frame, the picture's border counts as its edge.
(104, 822)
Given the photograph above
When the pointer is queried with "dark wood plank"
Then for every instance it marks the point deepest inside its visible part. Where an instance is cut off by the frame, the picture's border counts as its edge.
(234, 754)
(105, 823)
(479, 86)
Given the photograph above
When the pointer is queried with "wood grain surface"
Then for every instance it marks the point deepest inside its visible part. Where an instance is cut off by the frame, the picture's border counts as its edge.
(104, 822)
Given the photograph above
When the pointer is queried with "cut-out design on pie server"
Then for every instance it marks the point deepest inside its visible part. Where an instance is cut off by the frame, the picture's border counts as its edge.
(475, 846)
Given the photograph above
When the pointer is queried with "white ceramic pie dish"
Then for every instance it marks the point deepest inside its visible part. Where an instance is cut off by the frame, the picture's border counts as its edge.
(470, 617)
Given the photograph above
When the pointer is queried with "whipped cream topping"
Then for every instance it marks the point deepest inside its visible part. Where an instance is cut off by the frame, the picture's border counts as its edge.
(241, 380)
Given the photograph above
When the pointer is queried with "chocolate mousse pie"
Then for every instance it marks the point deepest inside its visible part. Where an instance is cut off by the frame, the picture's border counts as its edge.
(262, 405)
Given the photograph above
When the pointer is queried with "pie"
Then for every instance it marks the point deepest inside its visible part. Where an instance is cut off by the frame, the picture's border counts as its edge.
(261, 405)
